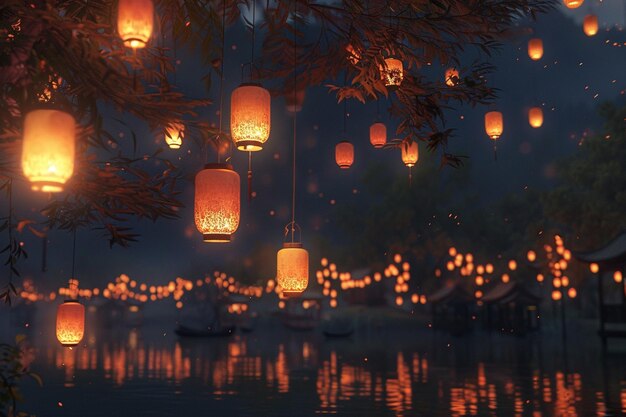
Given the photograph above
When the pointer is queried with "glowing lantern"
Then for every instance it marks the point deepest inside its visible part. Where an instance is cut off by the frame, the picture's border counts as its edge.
(70, 326)
(535, 49)
(512, 265)
(135, 19)
(572, 292)
(617, 276)
(556, 295)
(344, 154)
(573, 4)
(452, 77)
(532, 256)
(217, 202)
(378, 135)
(590, 25)
(250, 117)
(392, 73)
(48, 149)
(594, 268)
(494, 124)
(540, 277)
(535, 117)
(410, 153)
(174, 134)
(292, 269)
(506, 278)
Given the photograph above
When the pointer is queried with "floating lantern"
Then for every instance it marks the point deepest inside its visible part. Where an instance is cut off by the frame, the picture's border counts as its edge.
(410, 153)
(617, 276)
(392, 73)
(174, 134)
(494, 124)
(573, 4)
(217, 202)
(70, 326)
(378, 135)
(135, 19)
(292, 269)
(535, 117)
(590, 25)
(48, 149)
(250, 117)
(344, 154)
(535, 49)
(452, 77)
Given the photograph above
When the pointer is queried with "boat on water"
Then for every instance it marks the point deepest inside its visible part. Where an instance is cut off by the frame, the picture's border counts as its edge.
(302, 313)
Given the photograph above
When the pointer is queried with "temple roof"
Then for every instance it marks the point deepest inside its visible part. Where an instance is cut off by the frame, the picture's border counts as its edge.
(512, 291)
(452, 291)
(613, 252)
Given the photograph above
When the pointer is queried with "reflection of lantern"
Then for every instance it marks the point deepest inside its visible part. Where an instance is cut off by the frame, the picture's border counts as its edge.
(48, 149)
(392, 73)
(250, 114)
(590, 25)
(292, 269)
(535, 49)
(70, 323)
(452, 77)
(410, 153)
(573, 4)
(216, 203)
(535, 117)
(378, 135)
(135, 19)
(344, 154)
(174, 134)
(494, 124)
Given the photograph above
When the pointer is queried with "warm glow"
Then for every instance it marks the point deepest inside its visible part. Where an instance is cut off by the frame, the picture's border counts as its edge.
(70, 326)
(410, 153)
(399, 301)
(250, 117)
(392, 73)
(531, 256)
(344, 154)
(506, 278)
(452, 77)
(535, 49)
(378, 135)
(452, 251)
(174, 134)
(540, 277)
(292, 269)
(217, 202)
(594, 268)
(480, 280)
(535, 117)
(617, 276)
(489, 268)
(572, 292)
(590, 25)
(573, 4)
(556, 295)
(494, 124)
(135, 19)
(512, 265)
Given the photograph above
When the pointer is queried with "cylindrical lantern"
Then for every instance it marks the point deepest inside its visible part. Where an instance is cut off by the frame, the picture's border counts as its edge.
(378, 135)
(70, 323)
(452, 77)
(135, 19)
(344, 154)
(535, 49)
(48, 149)
(174, 134)
(250, 114)
(392, 73)
(535, 117)
(590, 25)
(410, 153)
(217, 202)
(494, 124)
(573, 4)
(292, 269)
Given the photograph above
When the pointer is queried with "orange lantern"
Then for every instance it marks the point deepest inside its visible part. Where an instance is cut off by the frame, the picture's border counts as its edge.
(292, 269)
(556, 295)
(617, 276)
(250, 117)
(70, 326)
(452, 77)
(217, 202)
(378, 135)
(410, 153)
(48, 148)
(344, 154)
(535, 117)
(590, 25)
(532, 256)
(494, 124)
(535, 49)
(135, 19)
(392, 73)
(174, 134)
(573, 4)
(594, 268)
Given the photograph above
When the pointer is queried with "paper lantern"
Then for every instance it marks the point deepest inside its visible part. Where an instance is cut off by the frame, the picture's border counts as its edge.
(410, 153)
(452, 77)
(344, 154)
(594, 268)
(590, 25)
(292, 269)
(250, 114)
(494, 124)
(535, 49)
(392, 73)
(70, 326)
(535, 117)
(135, 19)
(174, 134)
(217, 202)
(573, 4)
(378, 135)
(48, 148)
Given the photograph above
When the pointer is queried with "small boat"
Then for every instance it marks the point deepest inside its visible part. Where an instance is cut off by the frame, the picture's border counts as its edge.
(184, 331)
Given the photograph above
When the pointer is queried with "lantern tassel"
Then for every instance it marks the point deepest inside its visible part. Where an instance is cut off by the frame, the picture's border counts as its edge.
(410, 176)
(495, 151)
(249, 177)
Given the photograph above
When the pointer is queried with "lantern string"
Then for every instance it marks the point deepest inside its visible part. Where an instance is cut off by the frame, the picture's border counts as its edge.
(249, 177)
(74, 254)
(221, 80)
(295, 116)
(10, 224)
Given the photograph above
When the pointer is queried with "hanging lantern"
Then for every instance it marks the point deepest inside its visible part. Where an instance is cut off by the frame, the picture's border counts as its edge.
(590, 25)
(70, 323)
(452, 77)
(174, 134)
(410, 153)
(217, 202)
(535, 117)
(392, 73)
(135, 19)
(48, 149)
(344, 154)
(292, 269)
(294, 100)
(535, 49)
(250, 117)
(573, 4)
(494, 124)
(378, 135)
